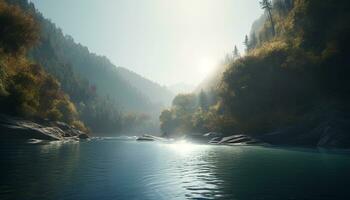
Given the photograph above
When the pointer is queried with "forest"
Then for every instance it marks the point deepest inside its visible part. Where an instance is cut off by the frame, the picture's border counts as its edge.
(294, 71)
(27, 90)
(45, 74)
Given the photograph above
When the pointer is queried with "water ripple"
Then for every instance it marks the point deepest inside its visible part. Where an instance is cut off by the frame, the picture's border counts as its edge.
(109, 168)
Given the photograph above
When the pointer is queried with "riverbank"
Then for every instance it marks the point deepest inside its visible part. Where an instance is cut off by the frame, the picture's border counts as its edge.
(19, 129)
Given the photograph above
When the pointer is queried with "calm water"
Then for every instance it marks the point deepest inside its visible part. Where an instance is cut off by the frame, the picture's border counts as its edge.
(116, 169)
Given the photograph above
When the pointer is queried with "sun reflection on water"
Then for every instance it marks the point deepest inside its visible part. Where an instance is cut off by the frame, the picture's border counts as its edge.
(184, 147)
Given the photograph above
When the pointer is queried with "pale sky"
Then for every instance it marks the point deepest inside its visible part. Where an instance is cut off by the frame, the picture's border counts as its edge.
(167, 41)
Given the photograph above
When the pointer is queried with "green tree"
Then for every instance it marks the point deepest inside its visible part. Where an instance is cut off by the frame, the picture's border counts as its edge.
(236, 53)
(203, 100)
(185, 102)
(167, 123)
(18, 30)
(267, 6)
(246, 43)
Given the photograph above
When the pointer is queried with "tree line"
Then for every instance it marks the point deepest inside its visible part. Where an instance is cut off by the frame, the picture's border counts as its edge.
(44, 74)
(26, 89)
(294, 71)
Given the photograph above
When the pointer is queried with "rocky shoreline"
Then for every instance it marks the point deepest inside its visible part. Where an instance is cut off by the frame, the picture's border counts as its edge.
(332, 132)
(19, 129)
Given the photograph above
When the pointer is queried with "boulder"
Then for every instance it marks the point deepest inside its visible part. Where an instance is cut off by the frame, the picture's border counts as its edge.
(215, 140)
(238, 139)
(83, 136)
(20, 129)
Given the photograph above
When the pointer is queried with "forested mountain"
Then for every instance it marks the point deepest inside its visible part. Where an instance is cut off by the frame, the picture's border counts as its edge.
(55, 47)
(107, 98)
(157, 94)
(294, 73)
(259, 33)
(26, 89)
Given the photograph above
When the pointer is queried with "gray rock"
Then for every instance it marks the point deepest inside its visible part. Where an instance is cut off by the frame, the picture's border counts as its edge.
(213, 135)
(83, 136)
(215, 140)
(239, 139)
(21, 129)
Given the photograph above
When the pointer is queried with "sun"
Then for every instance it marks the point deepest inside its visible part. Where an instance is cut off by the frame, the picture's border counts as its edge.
(205, 66)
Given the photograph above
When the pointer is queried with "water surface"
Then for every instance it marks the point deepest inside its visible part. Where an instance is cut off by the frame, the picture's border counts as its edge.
(126, 169)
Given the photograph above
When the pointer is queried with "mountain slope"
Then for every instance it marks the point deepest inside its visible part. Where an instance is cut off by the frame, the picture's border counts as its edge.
(157, 94)
(105, 100)
(291, 87)
(98, 70)
(26, 89)
(58, 51)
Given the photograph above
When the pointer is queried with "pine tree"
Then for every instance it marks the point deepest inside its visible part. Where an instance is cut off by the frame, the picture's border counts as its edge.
(267, 6)
(236, 53)
(246, 43)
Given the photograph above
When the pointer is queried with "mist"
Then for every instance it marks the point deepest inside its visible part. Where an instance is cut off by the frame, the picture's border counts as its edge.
(170, 42)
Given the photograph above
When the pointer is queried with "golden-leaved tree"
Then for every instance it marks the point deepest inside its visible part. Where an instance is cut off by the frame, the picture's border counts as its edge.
(26, 90)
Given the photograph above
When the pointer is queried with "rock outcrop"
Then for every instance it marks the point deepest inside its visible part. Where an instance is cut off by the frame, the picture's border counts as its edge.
(219, 139)
(329, 130)
(12, 128)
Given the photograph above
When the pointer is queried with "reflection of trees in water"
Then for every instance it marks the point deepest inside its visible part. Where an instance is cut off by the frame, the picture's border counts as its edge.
(268, 173)
(42, 170)
(249, 172)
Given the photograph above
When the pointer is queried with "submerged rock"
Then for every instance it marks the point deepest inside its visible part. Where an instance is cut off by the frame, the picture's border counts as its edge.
(20, 129)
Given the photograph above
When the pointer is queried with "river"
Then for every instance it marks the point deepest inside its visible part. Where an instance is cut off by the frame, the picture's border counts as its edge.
(113, 168)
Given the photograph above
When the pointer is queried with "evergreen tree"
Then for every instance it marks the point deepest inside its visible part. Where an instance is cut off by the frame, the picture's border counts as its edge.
(236, 53)
(246, 43)
(267, 6)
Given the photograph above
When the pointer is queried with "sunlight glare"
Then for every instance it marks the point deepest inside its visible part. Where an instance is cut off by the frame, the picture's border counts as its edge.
(183, 146)
(205, 66)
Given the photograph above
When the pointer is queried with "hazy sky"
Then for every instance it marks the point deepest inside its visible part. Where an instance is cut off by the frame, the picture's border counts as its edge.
(168, 41)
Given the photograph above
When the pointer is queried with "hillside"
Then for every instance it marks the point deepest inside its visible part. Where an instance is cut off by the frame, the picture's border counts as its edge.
(98, 70)
(130, 91)
(158, 95)
(108, 99)
(26, 89)
(292, 82)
